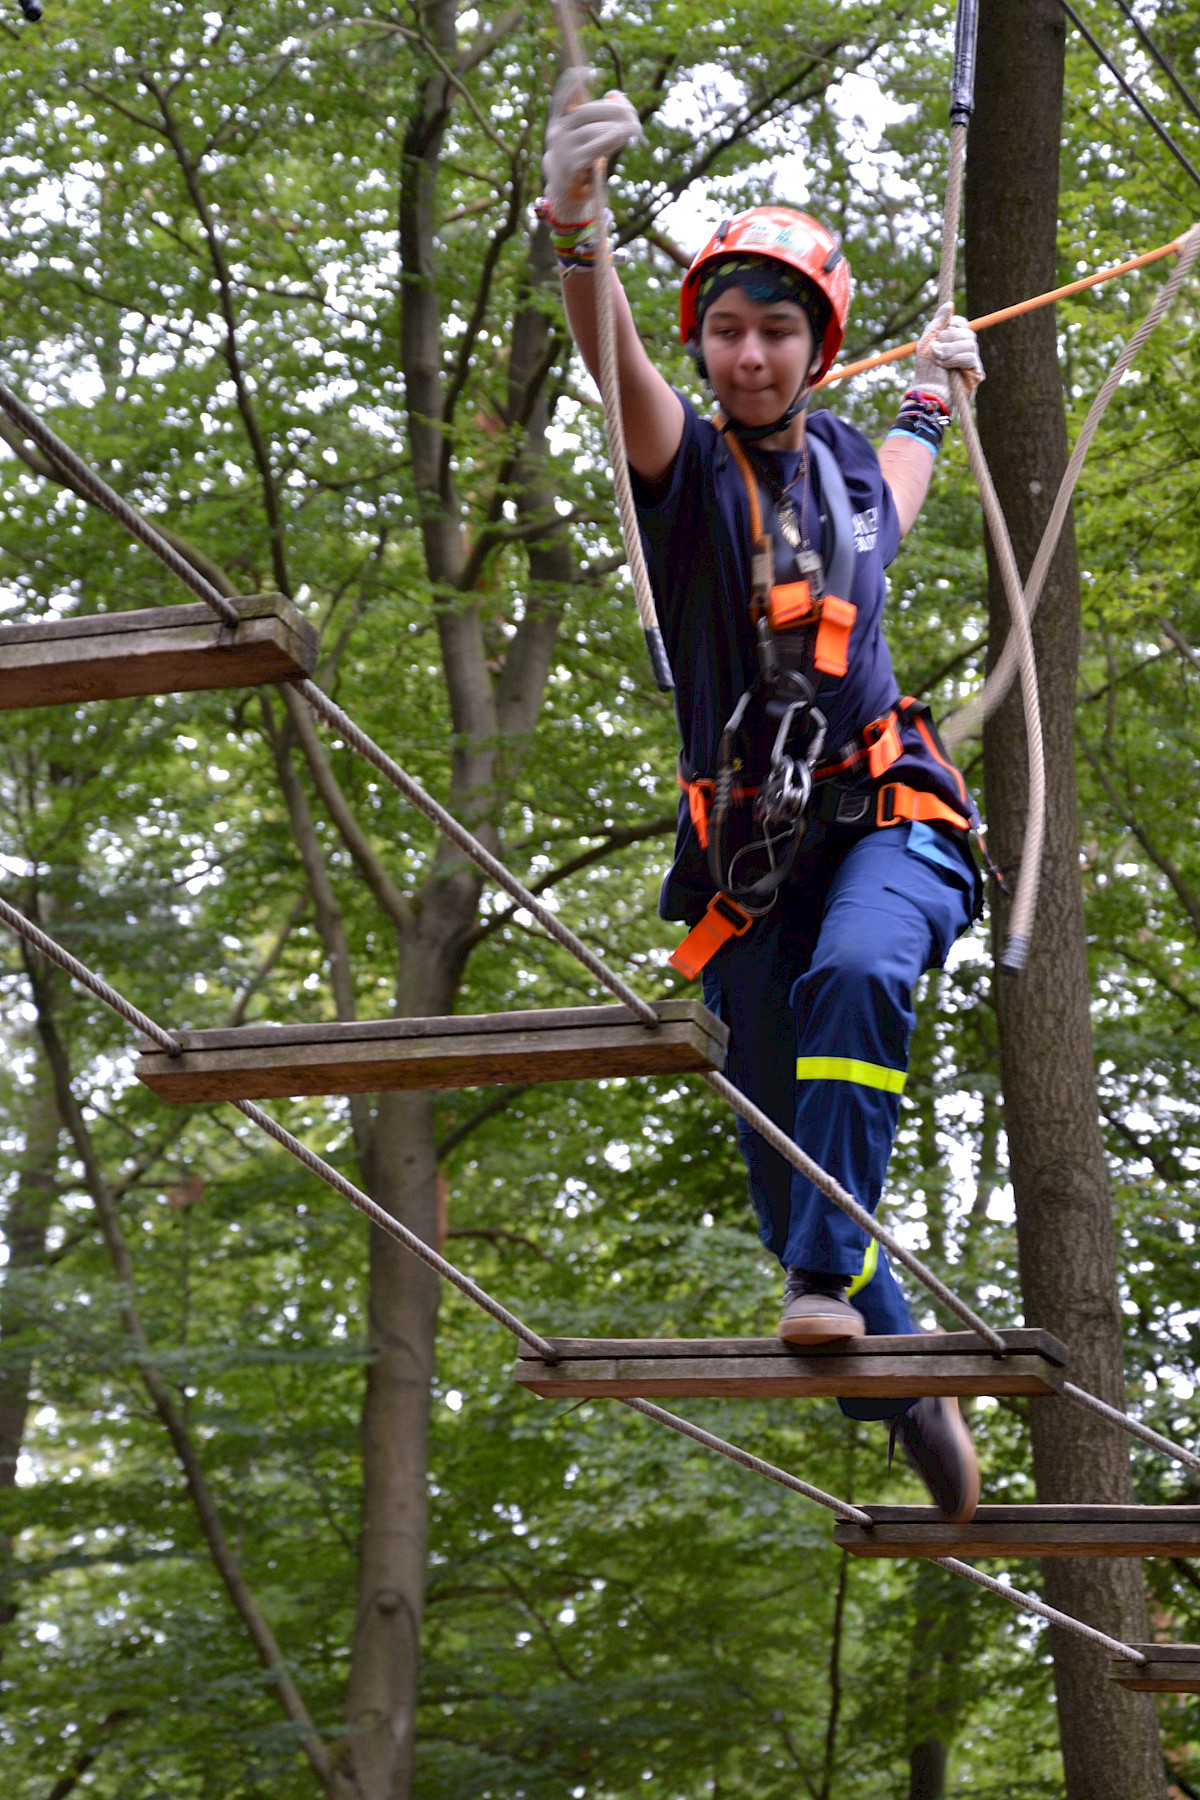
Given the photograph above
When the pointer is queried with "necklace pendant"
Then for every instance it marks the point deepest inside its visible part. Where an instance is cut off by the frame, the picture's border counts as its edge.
(789, 525)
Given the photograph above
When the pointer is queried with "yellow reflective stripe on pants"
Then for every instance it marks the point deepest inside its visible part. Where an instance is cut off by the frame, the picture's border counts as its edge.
(867, 1272)
(848, 1068)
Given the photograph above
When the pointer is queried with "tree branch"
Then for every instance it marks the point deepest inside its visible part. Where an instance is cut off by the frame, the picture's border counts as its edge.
(387, 894)
(49, 470)
(232, 353)
(503, 1098)
(1187, 896)
(616, 840)
(83, 1762)
(237, 1012)
(481, 47)
(331, 927)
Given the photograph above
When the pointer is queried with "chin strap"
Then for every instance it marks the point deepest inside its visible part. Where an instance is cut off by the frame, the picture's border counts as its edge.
(754, 434)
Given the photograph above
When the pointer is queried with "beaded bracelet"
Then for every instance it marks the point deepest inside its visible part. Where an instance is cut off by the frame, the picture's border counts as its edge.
(923, 416)
(574, 240)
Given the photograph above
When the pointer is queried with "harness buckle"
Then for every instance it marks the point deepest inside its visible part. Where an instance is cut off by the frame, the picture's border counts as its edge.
(887, 810)
(724, 919)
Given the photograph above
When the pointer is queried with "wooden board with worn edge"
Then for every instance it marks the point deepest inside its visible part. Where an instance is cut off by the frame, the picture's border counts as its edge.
(954, 1362)
(162, 650)
(367, 1057)
(1068, 1530)
(1168, 1669)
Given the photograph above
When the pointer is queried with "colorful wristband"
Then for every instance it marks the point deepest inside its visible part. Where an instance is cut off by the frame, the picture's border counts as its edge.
(923, 416)
(573, 239)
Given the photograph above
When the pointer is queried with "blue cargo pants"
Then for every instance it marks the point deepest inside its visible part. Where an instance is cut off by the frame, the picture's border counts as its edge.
(818, 997)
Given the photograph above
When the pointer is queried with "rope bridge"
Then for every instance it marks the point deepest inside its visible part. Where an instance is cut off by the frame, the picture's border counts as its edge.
(1147, 1662)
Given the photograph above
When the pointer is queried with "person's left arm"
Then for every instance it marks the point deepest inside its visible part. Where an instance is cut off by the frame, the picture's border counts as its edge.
(908, 453)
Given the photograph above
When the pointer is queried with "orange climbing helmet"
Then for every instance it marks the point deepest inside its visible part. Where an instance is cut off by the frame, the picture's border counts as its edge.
(778, 234)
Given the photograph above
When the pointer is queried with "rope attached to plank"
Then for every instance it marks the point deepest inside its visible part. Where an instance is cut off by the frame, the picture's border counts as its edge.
(97, 490)
(393, 1228)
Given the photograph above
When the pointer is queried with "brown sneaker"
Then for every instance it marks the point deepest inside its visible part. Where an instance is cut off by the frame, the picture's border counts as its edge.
(934, 1437)
(817, 1313)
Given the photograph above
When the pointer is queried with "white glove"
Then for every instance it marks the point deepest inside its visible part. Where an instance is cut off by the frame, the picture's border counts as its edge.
(946, 343)
(579, 131)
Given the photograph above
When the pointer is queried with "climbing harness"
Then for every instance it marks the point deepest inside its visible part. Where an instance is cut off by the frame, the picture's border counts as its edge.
(777, 1139)
(802, 630)
(756, 1119)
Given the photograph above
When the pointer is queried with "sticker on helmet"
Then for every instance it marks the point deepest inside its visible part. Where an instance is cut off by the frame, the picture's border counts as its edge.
(787, 237)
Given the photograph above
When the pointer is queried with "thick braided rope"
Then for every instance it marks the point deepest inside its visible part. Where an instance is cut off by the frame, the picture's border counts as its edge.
(980, 707)
(109, 501)
(610, 385)
(614, 423)
(1031, 1604)
(1024, 905)
(80, 972)
(327, 709)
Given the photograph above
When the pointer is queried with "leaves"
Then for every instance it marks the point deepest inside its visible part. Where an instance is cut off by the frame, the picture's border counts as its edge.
(609, 1611)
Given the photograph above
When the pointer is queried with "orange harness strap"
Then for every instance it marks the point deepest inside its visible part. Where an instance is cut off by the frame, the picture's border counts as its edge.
(896, 804)
(700, 798)
(724, 919)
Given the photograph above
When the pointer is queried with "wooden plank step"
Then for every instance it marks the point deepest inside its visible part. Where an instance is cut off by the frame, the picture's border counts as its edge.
(163, 650)
(570, 1044)
(953, 1362)
(1074, 1530)
(1169, 1669)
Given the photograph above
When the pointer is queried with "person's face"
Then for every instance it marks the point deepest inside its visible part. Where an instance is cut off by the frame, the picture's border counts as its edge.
(758, 355)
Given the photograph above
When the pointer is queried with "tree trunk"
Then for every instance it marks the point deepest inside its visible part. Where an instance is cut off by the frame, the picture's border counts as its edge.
(927, 1770)
(1064, 1221)
(26, 1224)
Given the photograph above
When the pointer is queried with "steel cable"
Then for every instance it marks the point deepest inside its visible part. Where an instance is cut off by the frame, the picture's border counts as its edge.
(542, 1346)
(108, 500)
(1031, 1604)
(783, 1145)
(394, 1229)
(55, 953)
(755, 1464)
(327, 709)
(102, 495)
(1126, 1422)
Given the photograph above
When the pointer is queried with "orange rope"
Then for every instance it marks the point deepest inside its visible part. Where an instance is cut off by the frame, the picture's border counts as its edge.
(1008, 312)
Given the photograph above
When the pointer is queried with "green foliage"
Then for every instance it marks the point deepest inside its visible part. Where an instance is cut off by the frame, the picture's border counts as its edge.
(610, 1612)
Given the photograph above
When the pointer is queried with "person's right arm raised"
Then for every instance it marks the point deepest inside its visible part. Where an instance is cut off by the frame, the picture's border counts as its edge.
(579, 131)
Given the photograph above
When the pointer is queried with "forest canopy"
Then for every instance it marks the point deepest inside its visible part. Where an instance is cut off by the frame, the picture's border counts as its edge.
(276, 272)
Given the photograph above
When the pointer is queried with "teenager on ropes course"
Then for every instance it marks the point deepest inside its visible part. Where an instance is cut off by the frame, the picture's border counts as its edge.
(822, 858)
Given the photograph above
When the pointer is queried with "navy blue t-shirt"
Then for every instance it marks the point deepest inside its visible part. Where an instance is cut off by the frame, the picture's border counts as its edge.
(696, 536)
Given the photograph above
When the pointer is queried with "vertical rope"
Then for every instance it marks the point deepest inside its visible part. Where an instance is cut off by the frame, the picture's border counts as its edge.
(610, 388)
(969, 718)
(1016, 950)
